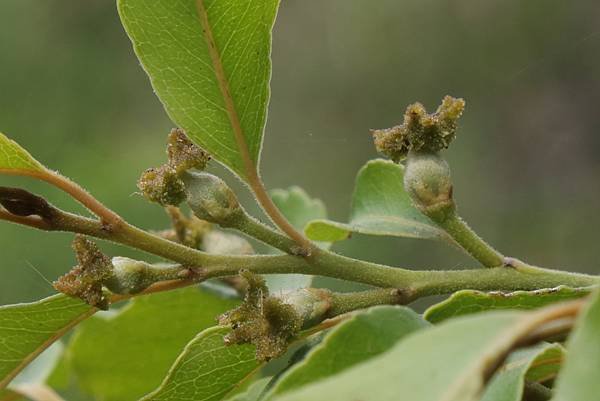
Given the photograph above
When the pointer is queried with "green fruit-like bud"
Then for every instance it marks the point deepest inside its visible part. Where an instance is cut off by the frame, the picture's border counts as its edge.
(427, 181)
(211, 199)
(311, 304)
(133, 276)
(129, 277)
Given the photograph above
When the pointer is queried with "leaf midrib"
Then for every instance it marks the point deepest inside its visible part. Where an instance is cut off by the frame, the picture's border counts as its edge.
(223, 83)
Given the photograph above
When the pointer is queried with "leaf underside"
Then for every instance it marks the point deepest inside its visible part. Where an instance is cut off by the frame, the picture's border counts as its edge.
(578, 380)
(26, 329)
(207, 369)
(366, 334)
(126, 354)
(536, 364)
(443, 363)
(209, 63)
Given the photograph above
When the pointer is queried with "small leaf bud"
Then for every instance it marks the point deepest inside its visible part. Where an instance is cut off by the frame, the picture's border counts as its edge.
(211, 199)
(133, 276)
(312, 304)
(428, 183)
(130, 276)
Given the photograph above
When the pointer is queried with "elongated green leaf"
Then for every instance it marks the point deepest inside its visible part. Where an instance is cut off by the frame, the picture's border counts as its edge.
(469, 301)
(27, 329)
(365, 335)
(125, 355)
(209, 63)
(14, 157)
(207, 369)
(380, 206)
(444, 363)
(578, 381)
(509, 382)
(299, 208)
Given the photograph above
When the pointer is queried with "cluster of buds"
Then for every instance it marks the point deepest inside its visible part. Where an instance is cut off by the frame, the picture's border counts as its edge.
(209, 197)
(163, 184)
(269, 322)
(417, 143)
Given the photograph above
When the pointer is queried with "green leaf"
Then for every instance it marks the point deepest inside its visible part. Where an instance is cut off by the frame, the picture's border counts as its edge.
(207, 369)
(299, 208)
(27, 329)
(469, 301)
(14, 157)
(443, 363)
(125, 355)
(578, 381)
(365, 335)
(508, 383)
(209, 63)
(380, 206)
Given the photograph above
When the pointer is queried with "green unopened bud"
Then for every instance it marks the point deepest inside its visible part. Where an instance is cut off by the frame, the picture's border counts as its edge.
(311, 304)
(427, 180)
(211, 199)
(133, 276)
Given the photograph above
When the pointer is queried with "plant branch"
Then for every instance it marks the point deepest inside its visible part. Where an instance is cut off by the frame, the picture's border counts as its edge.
(411, 283)
(250, 168)
(108, 217)
(31, 221)
(472, 243)
(257, 230)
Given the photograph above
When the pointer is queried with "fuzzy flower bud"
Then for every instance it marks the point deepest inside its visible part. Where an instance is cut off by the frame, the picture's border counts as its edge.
(211, 199)
(429, 185)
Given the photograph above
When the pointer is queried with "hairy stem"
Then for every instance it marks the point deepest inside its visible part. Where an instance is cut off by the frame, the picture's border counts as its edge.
(321, 262)
(255, 229)
(346, 302)
(108, 217)
(472, 243)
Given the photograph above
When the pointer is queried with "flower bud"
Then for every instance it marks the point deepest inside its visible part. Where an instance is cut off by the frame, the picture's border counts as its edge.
(428, 183)
(311, 304)
(133, 276)
(211, 199)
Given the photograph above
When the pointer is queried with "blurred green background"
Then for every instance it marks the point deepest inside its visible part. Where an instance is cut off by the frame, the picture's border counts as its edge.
(526, 163)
